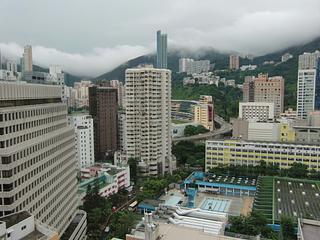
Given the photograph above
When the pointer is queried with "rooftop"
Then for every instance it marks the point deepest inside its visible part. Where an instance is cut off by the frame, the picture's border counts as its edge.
(244, 183)
(15, 218)
(309, 229)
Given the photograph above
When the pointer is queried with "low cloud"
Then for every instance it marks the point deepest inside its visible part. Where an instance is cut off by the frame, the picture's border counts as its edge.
(126, 29)
(94, 63)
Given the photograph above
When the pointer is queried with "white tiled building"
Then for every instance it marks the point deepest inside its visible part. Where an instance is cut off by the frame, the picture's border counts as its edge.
(260, 111)
(307, 85)
(83, 128)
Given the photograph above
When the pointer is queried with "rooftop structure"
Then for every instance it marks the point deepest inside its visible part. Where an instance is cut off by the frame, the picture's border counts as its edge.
(295, 198)
(110, 178)
(22, 225)
(308, 229)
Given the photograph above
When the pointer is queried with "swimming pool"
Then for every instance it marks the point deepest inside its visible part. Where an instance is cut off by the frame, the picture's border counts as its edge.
(215, 204)
(172, 200)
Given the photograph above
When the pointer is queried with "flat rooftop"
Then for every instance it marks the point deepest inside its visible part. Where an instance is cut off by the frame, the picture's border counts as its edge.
(173, 232)
(310, 229)
(208, 179)
(15, 218)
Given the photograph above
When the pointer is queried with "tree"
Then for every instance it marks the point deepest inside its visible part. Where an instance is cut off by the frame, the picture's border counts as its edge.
(298, 170)
(287, 228)
(253, 225)
(121, 224)
(189, 152)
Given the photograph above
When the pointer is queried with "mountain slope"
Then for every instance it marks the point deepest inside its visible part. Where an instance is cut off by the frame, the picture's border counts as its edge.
(294, 50)
(220, 59)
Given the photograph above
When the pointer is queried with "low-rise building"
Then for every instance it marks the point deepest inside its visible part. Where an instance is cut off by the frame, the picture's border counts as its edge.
(23, 225)
(260, 111)
(250, 153)
(307, 134)
(308, 229)
(285, 57)
(111, 179)
(289, 114)
(191, 66)
(248, 67)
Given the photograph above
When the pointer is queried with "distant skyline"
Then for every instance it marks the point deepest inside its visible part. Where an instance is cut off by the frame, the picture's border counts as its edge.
(92, 37)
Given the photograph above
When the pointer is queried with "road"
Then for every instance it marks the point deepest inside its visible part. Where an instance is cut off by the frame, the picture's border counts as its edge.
(224, 128)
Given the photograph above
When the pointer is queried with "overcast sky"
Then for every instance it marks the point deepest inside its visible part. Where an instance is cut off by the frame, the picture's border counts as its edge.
(90, 37)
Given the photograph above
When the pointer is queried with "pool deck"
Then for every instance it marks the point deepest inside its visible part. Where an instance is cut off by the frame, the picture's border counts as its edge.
(236, 205)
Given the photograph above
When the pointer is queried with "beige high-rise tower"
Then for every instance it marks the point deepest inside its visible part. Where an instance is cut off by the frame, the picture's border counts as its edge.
(27, 59)
(148, 119)
(204, 112)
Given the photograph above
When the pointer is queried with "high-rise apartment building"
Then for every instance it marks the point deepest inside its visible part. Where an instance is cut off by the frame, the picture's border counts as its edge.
(248, 89)
(234, 62)
(83, 128)
(37, 155)
(148, 119)
(120, 91)
(26, 61)
(308, 87)
(162, 55)
(81, 97)
(265, 89)
(103, 106)
(204, 112)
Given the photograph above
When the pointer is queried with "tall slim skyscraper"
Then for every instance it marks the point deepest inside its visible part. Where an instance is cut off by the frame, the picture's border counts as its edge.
(162, 55)
(26, 62)
(103, 104)
(37, 154)
(148, 119)
(308, 84)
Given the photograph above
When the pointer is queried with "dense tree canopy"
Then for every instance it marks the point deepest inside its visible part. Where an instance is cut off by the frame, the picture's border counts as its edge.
(194, 130)
(188, 152)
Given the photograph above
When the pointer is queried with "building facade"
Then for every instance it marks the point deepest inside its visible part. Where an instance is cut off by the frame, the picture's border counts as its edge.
(193, 67)
(162, 54)
(83, 129)
(81, 97)
(265, 89)
(103, 104)
(38, 167)
(204, 112)
(26, 63)
(234, 62)
(111, 178)
(148, 119)
(250, 153)
(260, 111)
(308, 86)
